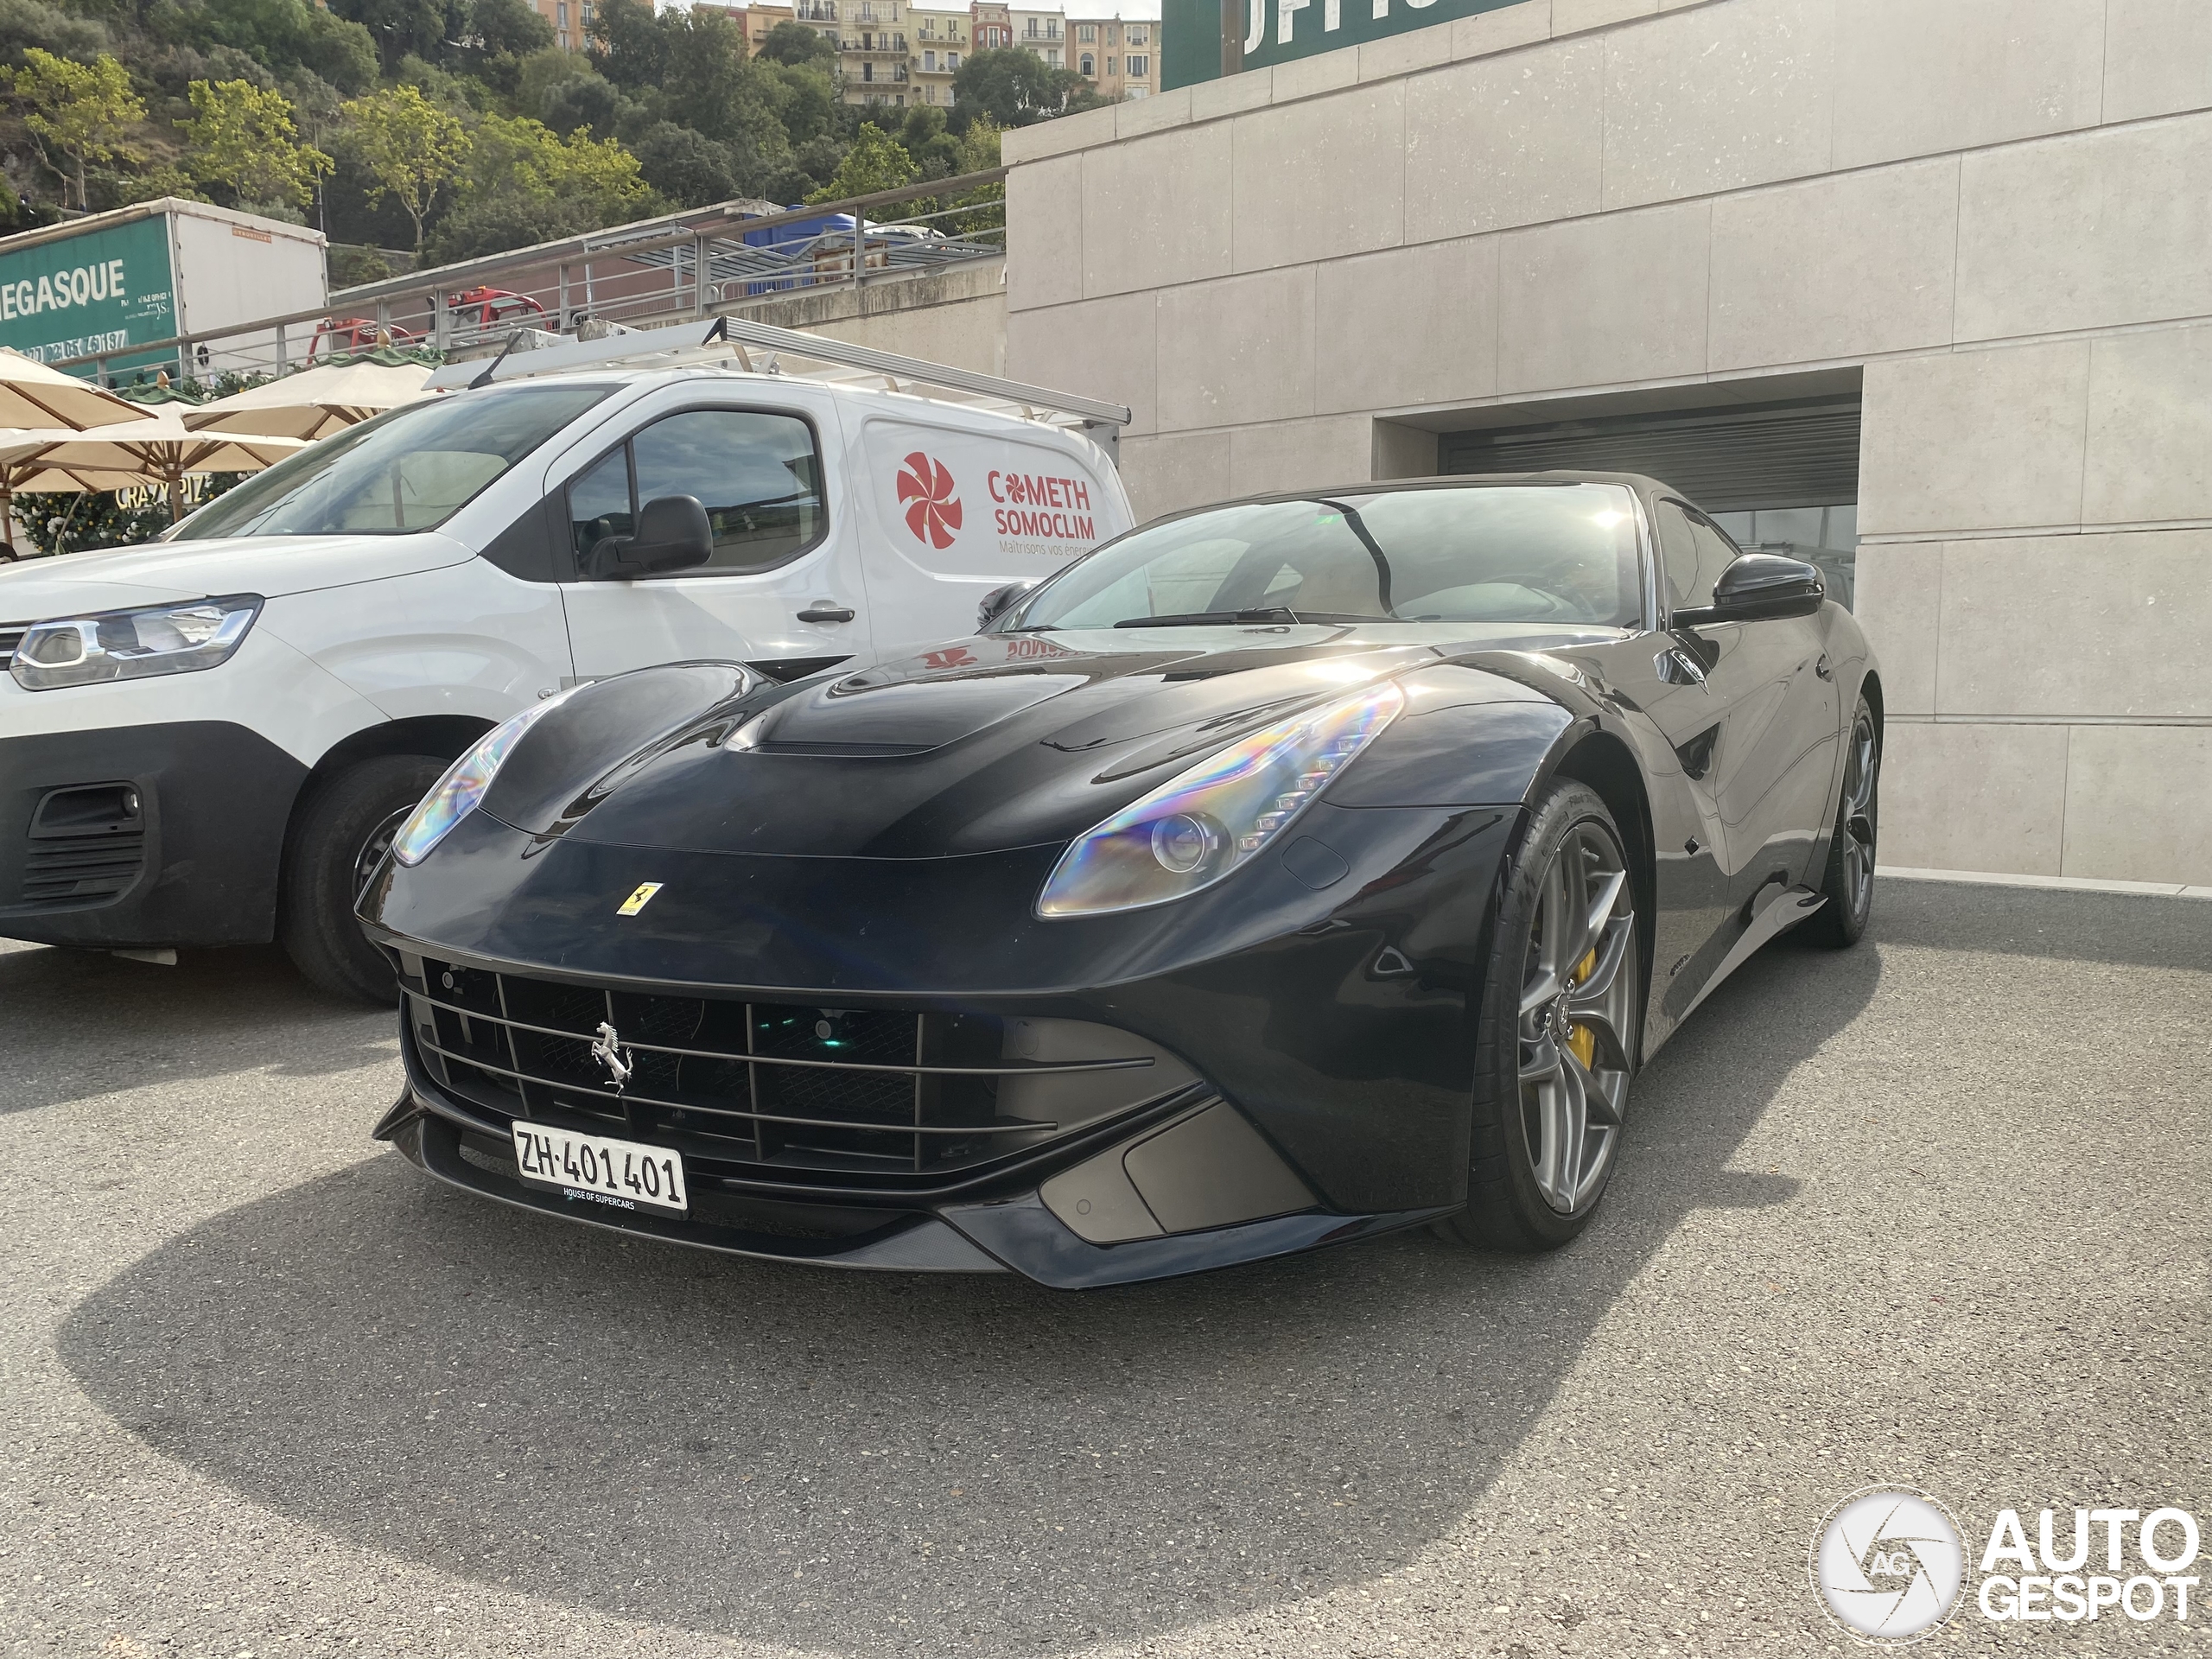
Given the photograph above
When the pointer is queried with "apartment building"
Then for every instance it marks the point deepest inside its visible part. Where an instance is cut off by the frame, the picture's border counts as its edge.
(1044, 32)
(1113, 44)
(938, 42)
(872, 52)
(993, 26)
(569, 18)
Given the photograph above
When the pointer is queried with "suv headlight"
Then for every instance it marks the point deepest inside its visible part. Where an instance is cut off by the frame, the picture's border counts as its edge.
(134, 645)
(457, 794)
(1205, 823)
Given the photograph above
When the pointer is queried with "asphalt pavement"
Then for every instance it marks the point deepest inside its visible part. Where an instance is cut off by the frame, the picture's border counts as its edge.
(1931, 1211)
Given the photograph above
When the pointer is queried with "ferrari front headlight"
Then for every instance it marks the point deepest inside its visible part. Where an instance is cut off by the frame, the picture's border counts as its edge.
(459, 794)
(134, 645)
(1204, 824)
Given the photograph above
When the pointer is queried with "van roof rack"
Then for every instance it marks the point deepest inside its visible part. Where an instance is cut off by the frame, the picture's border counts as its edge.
(757, 348)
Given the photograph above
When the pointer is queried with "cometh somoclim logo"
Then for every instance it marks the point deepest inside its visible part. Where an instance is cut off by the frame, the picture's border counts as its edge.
(1888, 1564)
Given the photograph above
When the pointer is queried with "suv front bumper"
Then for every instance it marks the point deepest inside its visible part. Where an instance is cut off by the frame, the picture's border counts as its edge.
(141, 836)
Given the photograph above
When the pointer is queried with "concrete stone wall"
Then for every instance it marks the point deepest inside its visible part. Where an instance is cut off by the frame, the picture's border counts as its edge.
(956, 316)
(1994, 217)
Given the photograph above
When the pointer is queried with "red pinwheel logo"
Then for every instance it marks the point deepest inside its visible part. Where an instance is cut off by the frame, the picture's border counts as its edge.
(932, 510)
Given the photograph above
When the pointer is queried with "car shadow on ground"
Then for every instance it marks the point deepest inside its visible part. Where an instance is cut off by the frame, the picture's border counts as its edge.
(871, 1464)
(220, 1012)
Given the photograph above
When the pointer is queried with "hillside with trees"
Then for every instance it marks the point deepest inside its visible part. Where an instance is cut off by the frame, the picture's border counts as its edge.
(447, 129)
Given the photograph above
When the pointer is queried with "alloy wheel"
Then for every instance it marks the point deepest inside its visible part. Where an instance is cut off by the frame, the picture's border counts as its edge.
(373, 849)
(1576, 1012)
(1862, 768)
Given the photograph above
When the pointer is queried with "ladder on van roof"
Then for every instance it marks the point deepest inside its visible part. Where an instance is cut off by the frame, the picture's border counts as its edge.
(758, 348)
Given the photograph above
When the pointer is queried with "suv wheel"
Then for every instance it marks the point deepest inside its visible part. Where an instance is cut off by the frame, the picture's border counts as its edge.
(339, 836)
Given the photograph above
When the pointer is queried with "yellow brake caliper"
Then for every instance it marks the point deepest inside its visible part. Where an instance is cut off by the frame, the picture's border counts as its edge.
(1580, 1038)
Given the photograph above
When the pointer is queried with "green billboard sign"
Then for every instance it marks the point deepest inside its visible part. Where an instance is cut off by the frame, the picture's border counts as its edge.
(1203, 40)
(95, 292)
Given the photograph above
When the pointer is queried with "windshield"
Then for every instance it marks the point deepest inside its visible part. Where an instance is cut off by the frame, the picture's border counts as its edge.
(1563, 553)
(410, 469)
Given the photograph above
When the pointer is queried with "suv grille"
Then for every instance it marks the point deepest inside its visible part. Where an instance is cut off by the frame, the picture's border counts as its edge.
(11, 635)
(81, 869)
(777, 1092)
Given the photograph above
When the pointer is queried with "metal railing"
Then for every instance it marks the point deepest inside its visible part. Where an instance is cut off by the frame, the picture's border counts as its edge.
(707, 262)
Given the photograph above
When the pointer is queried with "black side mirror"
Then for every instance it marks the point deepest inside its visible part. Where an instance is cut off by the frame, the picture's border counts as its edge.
(673, 534)
(1000, 601)
(1757, 587)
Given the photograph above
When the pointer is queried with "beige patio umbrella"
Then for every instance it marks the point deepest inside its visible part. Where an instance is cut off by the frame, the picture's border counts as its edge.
(315, 403)
(33, 394)
(158, 450)
(34, 477)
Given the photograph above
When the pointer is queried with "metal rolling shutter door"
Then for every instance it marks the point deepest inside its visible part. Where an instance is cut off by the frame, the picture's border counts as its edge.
(1725, 459)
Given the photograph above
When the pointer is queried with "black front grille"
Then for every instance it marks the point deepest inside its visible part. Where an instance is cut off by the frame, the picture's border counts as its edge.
(11, 635)
(81, 869)
(779, 1092)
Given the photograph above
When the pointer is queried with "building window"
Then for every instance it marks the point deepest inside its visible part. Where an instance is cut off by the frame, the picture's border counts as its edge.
(1087, 66)
(951, 61)
(868, 72)
(1087, 33)
(1110, 70)
(1137, 36)
(1140, 66)
(561, 13)
(587, 14)
(565, 40)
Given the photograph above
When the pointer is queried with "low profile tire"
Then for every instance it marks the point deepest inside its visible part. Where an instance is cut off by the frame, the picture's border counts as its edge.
(1562, 1004)
(1849, 884)
(338, 837)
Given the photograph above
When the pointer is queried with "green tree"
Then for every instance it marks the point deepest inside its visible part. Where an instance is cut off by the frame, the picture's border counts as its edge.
(500, 36)
(629, 44)
(338, 51)
(32, 22)
(242, 139)
(798, 45)
(525, 183)
(876, 162)
(411, 148)
(399, 27)
(84, 110)
(1016, 88)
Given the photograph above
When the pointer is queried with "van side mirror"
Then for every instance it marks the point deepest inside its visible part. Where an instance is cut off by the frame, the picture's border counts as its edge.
(1000, 601)
(673, 534)
(1758, 587)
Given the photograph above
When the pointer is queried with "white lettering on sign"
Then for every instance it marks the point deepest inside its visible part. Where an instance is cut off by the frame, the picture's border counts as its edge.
(58, 290)
(1285, 11)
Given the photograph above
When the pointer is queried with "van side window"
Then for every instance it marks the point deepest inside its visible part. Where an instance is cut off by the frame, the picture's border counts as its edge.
(599, 503)
(1695, 552)
(758, 475)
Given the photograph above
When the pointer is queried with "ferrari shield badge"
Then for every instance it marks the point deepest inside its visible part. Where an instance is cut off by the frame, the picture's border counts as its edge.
(639, 899)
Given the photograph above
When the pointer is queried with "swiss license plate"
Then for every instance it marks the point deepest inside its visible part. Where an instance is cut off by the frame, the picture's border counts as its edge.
(597, 1169)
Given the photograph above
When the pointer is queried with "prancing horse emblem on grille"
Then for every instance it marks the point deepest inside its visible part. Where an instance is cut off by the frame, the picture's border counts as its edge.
(609, 1052)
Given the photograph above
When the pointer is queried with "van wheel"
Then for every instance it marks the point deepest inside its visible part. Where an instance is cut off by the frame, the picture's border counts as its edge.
(339, 836)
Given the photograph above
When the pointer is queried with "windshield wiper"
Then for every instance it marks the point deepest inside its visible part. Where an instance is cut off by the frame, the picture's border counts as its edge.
(1209, 618)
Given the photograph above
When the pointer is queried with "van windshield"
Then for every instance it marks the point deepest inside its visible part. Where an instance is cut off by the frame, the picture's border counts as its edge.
(410, 469)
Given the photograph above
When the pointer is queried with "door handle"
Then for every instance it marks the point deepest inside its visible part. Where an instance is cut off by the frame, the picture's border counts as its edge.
(825, 610)
(1822, 668)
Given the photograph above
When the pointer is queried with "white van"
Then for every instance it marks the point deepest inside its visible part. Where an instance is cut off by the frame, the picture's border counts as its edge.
(211, 741)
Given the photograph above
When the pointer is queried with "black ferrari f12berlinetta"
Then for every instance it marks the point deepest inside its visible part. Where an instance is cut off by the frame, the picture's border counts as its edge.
(1276, 875)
